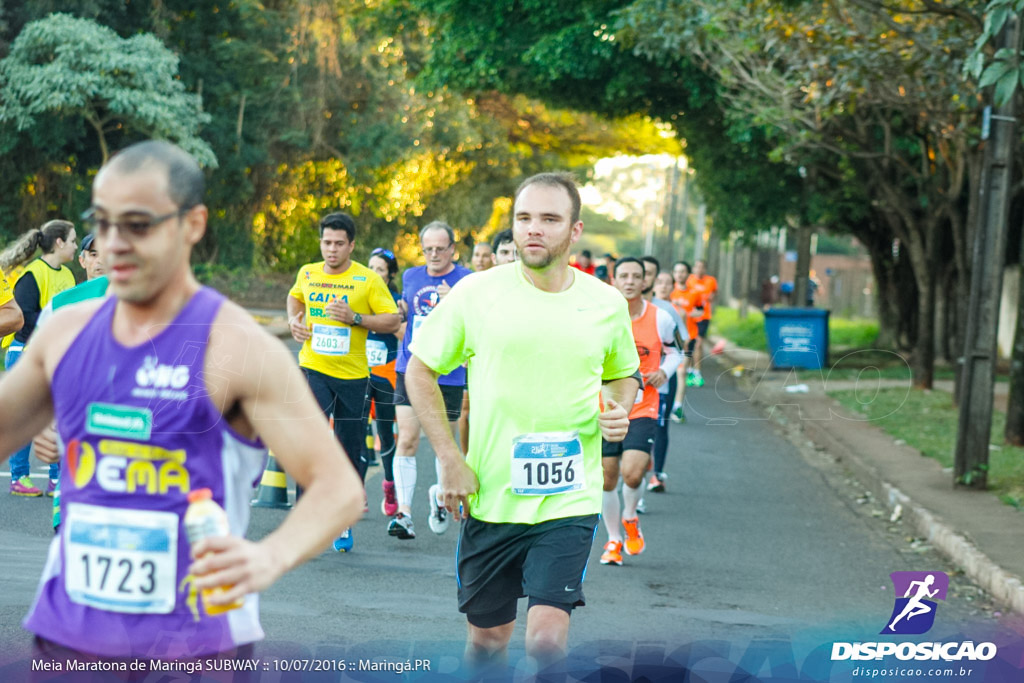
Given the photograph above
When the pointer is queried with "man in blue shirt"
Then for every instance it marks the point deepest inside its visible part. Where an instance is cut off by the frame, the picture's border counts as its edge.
(423, 288)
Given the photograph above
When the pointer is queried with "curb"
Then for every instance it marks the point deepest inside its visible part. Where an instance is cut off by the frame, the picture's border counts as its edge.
(1005, 588)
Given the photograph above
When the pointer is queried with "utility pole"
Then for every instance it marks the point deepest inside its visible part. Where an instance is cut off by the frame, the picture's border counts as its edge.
(970, 466)
(670, 214)
(679, 254)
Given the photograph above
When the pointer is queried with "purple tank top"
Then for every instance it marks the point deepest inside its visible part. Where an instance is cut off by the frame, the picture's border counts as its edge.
(139, 431)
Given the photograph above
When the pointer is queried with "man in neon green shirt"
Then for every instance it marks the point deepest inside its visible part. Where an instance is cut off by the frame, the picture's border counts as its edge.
(540, 339)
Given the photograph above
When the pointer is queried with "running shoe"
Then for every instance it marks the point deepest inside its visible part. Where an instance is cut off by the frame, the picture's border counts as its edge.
(612, 553)
(699, 381)
(634, 537)
(389, 505)
(401, 527)
(343, 543)
(677, 415)
(641, 507)
(438, 514)
(51, 487)
(656, 484)
(23, 487)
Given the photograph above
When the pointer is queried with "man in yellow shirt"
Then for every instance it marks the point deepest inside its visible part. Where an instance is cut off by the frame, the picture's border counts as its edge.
(333, 305)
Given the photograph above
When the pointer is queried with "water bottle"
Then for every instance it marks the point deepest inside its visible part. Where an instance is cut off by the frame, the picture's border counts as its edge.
(205, 518)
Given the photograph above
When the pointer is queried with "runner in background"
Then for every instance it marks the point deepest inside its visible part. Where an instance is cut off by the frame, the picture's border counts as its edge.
(423, 288)
(706, 286)
(504, 248)
(584, 262)
(40, 280)
(655, 339)
(332, 307)
(483, 257)
(381, 354)
(44, 445)
(685, 301)
(667, 391)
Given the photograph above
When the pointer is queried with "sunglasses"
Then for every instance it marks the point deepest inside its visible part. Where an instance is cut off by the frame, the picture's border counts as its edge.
(381, 251)
(129, 228)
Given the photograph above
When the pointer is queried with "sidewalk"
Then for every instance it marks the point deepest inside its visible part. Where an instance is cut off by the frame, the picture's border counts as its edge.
(980, 534)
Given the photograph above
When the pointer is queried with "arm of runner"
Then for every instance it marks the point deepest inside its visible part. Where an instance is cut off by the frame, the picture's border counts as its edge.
(11, 318)
(614, 419)
(672, 357)
(425, 395)
(274, 398)
(297, 318)
(25, 402)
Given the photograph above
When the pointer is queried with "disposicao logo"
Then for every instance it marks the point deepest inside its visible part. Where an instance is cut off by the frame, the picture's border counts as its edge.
(913, 614)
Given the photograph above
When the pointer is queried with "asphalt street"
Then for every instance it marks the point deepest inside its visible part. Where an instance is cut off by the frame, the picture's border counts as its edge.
(756, 538)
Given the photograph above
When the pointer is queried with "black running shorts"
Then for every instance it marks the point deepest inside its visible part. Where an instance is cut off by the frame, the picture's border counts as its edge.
(640, 437)
(496, 564)
(452, 396)
(702, 328)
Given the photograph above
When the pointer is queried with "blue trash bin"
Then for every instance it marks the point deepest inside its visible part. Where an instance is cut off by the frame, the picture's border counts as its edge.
(797, 337)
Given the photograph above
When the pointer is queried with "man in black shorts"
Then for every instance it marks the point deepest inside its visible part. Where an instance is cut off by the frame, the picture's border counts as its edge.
(654, 333)
(540, 338)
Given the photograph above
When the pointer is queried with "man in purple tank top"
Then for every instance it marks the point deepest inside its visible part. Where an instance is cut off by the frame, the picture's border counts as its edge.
(189, 393)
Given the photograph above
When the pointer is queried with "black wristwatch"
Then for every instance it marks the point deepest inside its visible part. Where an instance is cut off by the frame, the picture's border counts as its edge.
(357, 319)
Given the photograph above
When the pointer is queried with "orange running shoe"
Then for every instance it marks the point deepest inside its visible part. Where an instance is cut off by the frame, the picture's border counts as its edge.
(634, 537)
(612, 553)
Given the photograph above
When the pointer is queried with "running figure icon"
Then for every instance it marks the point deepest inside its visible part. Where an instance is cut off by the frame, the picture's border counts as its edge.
(919, 591)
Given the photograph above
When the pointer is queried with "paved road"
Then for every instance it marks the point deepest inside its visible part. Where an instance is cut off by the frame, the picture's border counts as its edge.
(753, 540)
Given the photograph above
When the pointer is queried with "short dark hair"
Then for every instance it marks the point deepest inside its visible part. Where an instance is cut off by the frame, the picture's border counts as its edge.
(185, 182)
(683, 263)
(566, 181)
(501, 238)
(653, 261)
(586, 252)
(339, 221)
(624, 260)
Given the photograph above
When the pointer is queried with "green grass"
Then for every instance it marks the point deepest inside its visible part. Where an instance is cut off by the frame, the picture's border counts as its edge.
(927, 421)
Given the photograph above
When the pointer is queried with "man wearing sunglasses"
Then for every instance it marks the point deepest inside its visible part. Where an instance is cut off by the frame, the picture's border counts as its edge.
(333, 306)
(188, 394)
(423, 288)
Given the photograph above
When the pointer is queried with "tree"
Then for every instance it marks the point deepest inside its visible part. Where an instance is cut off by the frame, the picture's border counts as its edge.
(65, 69)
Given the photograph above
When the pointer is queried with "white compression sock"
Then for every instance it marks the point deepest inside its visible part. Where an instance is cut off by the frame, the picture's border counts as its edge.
(630, 499)
(610, 512)
(405, 479)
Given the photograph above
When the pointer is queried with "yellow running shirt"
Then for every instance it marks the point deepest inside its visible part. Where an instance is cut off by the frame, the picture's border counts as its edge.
(6, 291)
(337, 349)
(536, 361)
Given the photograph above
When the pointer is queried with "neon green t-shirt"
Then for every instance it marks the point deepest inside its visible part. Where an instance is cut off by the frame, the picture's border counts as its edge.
(536, 361)
(337, 349)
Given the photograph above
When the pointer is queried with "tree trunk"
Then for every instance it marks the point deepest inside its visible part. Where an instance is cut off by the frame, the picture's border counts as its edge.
(801, 277)
(1014, 433)
(923, 361)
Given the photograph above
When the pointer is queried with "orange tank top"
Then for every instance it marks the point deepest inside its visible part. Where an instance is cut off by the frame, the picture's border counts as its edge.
(648, 346)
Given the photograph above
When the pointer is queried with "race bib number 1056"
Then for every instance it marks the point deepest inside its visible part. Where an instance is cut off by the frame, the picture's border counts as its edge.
(547, 463)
